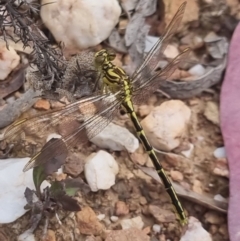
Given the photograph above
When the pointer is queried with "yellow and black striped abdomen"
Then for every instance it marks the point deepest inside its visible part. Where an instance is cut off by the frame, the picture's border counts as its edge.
(167, 183)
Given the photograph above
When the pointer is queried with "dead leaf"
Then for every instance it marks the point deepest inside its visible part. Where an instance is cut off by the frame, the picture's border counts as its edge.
(146, 7)
(13, 82)
(117, 42)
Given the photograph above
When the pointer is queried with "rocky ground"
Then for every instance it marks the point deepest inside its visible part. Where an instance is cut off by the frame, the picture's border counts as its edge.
(127, 201)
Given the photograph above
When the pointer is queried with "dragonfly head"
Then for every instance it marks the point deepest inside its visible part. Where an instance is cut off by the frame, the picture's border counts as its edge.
(104, 57)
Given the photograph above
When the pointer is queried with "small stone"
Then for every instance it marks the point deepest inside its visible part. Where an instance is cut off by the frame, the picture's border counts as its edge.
(132, 234)
(100, 171)
(132, 223)
(189, 151)
(122, 25)
(191, 11)
(171, 51)
(93, 238)
(101, 216)
(114, 219)
(152, 100)
(195, 232)
(118, 60)
(147, 230)
(234, 8)
(143, 200)
(149, 163)
(211, 112)
(107, 139)
(193, 102)
(162, 237)
(200, 138)
(176, 176)
(144, 110)
(26, 236)
(78, 24)
(220, 152)
(173, 159)
(53, 135)
(10, 100)
(149, 43)
(74, 164)
(187, 39)
(42, 105)
(139, 157)
(121, 208)
(219, 198)
(13, 182)
(160, 125)
(88, 222)
(197, 70)
(156, 228)
(213, 218)
(213, 229)
(60, 176)
(106, 222)
(211, 37)
(9, 60)
(197, 186)
(50, 236)
(162, 215)
(72, 126)
(197, 42)
(154, 195)
(221, 167)
(224, 230)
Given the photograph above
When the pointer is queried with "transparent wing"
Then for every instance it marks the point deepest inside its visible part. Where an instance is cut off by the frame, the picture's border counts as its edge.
(151, 85)
(58, 147)
(40, 123)
(147, 68)
(93, 113)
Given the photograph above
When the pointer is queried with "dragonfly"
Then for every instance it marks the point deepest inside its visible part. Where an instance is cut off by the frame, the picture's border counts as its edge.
(94, 113)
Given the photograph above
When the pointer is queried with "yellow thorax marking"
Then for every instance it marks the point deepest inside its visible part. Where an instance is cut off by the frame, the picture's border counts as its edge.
(114, 78)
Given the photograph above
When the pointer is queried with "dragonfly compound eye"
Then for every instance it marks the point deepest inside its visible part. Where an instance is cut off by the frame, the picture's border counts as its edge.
(100, 59)
(111, 55)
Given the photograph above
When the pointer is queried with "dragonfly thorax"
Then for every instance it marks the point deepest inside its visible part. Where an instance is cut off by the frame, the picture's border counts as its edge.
(114, 78)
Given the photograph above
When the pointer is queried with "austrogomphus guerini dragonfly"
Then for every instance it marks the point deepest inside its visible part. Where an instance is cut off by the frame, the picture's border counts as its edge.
(118, 90)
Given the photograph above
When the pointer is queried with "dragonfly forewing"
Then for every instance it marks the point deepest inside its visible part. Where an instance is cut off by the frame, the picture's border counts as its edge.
(149, 65)
(151, 85)
(91, 114)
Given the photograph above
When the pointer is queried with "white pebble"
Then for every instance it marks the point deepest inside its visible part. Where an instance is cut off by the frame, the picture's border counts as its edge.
(156, 228)
(188, 152)
(100, 171)
(200, 138)
(132, 223)
(116, 138)
(114, 219)
(160, 125)
(53, 135)
(220, 153)
(9, 60)
(171, 51)
(149, 43)
(26, 236)
(197, 70)
(195, 232)
(13, 182)
(80, 24)
(11, 100)
(219, 198)
(101, 216)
